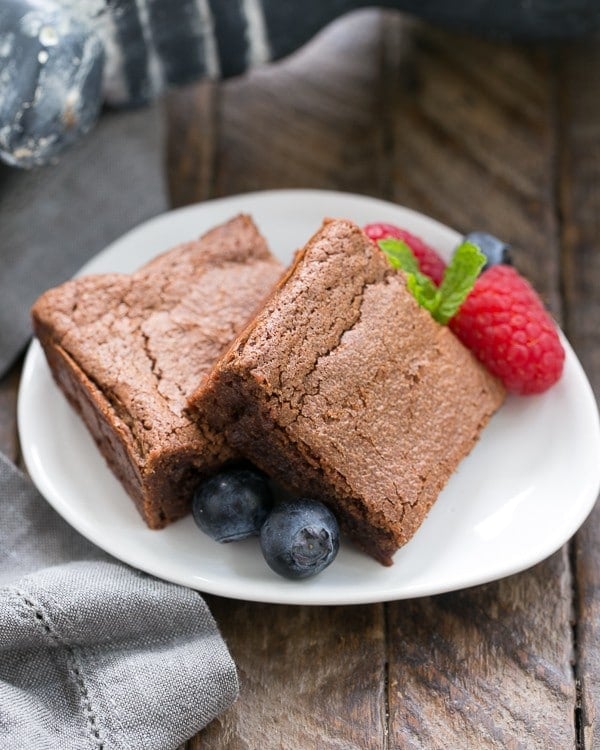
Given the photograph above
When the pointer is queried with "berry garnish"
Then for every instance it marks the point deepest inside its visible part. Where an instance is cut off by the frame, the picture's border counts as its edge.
(495, 312)
(429, 261)
(504, 323)
(300, 538)
(496, 251)
(233, 504)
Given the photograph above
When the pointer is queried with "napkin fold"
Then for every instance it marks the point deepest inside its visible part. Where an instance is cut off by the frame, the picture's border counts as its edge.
(93, 654)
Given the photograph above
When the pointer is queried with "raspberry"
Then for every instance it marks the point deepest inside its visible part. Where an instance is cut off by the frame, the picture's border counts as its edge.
(429, 261)
(505, 324)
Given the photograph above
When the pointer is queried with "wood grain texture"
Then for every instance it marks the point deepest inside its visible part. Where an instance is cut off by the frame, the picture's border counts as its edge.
(9, 443)
(485, 668)
(580, 203)
(190, 149)
(313, 120)
(473, 142)
(311, 677)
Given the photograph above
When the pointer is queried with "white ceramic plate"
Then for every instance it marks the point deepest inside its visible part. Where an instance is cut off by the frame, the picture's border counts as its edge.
(523, 491)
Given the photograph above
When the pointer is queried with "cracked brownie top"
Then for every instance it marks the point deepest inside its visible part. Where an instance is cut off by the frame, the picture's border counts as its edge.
(146, 339)
(344, 386)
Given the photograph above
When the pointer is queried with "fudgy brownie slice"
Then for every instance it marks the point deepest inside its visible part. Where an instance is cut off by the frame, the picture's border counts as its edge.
(128, 350)
(344, 389)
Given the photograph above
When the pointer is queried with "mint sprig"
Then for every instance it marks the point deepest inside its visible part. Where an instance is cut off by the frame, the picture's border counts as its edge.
(442, 301)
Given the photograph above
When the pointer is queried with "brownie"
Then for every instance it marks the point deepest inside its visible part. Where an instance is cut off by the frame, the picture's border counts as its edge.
(128, 350)
(343, 388)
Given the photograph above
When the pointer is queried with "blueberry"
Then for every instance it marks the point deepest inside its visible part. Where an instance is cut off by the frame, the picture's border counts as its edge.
(495, 250)
(300, 538)
(233, 504)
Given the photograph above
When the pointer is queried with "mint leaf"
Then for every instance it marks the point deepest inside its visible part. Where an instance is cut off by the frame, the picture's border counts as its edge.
(427, 294)
(421, 286)
(399, 255)
(459, 277)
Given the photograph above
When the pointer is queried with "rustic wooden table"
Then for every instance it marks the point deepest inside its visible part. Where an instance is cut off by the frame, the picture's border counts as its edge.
(477, 134)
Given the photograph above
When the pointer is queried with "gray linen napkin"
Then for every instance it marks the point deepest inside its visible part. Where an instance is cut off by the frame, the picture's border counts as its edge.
(54, 218)
(93, 654)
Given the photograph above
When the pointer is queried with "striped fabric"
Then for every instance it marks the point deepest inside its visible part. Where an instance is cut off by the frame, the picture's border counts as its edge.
(156, 43)
(142, 46)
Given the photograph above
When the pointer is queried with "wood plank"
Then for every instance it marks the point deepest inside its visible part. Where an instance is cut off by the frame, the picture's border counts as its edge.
(310, 677)
(9, 444)
(463, 130)
(580, 203)
(473, 144)
(191, 113)
(312, 120)
(487, 667)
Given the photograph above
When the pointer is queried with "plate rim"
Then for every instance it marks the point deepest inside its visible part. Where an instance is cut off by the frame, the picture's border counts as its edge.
(296, 593)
